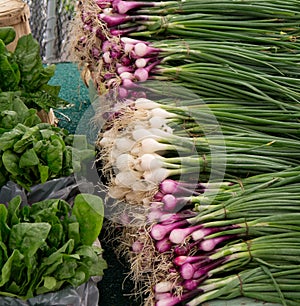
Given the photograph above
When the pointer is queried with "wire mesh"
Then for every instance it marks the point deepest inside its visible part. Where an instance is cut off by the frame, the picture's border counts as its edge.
(60, 27)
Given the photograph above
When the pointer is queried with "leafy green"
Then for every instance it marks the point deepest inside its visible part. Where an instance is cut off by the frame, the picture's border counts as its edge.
(88, 204)
(23, 71)
(45, 248)
(8, 76)
(7, 34)
(32, 155)
(13, 111)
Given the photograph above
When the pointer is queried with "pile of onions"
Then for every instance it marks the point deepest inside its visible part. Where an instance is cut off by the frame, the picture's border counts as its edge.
(215, 179)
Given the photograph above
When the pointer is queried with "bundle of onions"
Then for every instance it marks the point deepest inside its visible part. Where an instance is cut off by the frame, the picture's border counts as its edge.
(224, 60)
(247, 225)
(141, 149)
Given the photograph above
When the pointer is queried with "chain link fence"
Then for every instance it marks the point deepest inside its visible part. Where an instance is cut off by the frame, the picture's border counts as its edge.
(50, 24)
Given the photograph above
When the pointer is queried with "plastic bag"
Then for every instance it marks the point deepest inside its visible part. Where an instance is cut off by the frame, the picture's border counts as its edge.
(65, 188)
(86, 294)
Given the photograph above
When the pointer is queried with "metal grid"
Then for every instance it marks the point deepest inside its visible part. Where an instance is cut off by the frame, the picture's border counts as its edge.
(50, 24)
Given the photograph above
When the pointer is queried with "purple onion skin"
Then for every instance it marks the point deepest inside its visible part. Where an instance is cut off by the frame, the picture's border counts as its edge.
(203, 271)
(200, 268)
(103, 3)
(192, 284)
(182, 250)
(163, 245)
(159, 231)
(137, 94)
(169, 186)
(123, 7)
(211, 244)
(181, 260)
(113, 20)
(175, 300)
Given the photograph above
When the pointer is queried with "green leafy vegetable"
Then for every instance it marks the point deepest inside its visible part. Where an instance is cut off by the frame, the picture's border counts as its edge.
(7, 34)
(88, 205)
(32, 155)
(23, 71)
(44, 247)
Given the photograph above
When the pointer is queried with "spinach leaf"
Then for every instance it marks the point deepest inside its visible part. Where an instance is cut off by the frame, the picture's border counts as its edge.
(89, 212)
(11, 163)
(6, 271)
(13, 211)
(5, 229)
(7, 34)
(27, 139)
(43, 249)
(11, 102)
(27, 53)
(8, 139)
(55, 154)
(29, 159)
(44, 173)
(8, 78)
(28, 237)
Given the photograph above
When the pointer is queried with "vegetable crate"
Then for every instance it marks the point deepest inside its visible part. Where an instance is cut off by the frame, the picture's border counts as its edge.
(15, 13)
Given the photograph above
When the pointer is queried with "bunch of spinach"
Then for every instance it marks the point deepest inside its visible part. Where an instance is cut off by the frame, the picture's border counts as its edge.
(49, 245)
(33, 155)
(23, 71)
(14, 111)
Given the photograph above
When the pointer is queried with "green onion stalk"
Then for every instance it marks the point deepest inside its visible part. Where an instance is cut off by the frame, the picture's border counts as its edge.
(197, 116)
(276, 285)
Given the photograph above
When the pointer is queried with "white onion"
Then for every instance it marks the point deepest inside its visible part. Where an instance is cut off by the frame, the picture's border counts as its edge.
(127, 178)
(106, 57)
(150, 145)
(125, 162)
(106, 141)
(160, 132)
(150, 162)
(140, 133)
(159, 112)
(143, 103)
(117, 192)
(143, 185)
(126, 75)
(128, 47)
(128, 40)
(141, 74)
(198, 234)
(140, 63)
(107, 11)
(124, 144)
(141, 49)
(162, 287)
(157, 122)
(157, 175)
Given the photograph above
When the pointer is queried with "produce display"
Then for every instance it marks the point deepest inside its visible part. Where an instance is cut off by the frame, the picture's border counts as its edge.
(199, 143)
(50, 245)
(197, 104)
